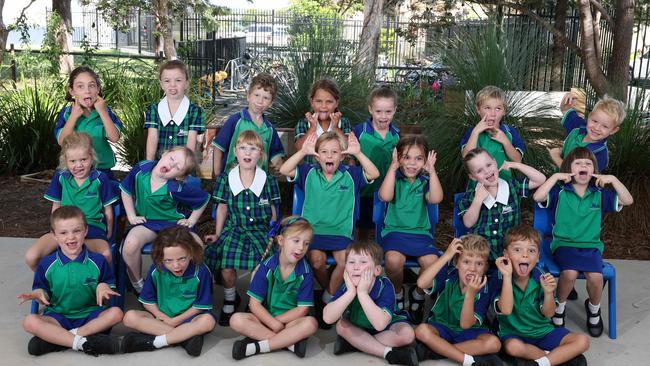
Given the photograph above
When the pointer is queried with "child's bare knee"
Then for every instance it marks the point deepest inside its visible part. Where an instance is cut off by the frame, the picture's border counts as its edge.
(514, 347)
(342, 328)
(393, 262)
(311, 324)
(237, 320)
(31, 323)
(492, 344)
(423, 332)
(130, 317)
(206, 323)
(581, 342)
(114, 314)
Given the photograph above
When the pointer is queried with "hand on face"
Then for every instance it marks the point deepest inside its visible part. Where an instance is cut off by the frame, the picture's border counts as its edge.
(77, 109)
(565, 177)
(481, 193)
(366, 281)
(100, 104)
(603, 180)
(476, 283)
(349, 285)
(505, 266)
(312, 118)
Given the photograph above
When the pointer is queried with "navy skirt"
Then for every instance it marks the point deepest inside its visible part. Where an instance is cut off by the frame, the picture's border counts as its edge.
(411, 245)
(329, 242)
(579, 259)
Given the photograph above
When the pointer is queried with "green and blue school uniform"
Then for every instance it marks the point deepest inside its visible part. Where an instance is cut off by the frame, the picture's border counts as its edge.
(407, 228)
(577, 224)
(380, 151)
(526, 322)
(302, 126)
(382, 294)
(173, 294)
(445, 313)
(173, 130)
(93, 126)
(161, 207)
(329, 206)
(71, 285)
(277, 295)
(576, 130)
(494, 148)
(498, 214)
(244, 236)
(226, 140)
(95, 193)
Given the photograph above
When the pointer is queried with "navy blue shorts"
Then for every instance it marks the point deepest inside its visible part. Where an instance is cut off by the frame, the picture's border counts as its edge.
(201, 313)
(366, 206)
(69, 323)
(579, 259)
(329, 242)
(548, 342)
(454, 337)
(411, 245)
(96, 233)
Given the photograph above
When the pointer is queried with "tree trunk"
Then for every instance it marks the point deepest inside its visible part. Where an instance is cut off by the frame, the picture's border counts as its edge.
(66, 62)
(618, 67)
(594, 72)
(559, 49)
(3, 34)
(366, 57)
(164, 26)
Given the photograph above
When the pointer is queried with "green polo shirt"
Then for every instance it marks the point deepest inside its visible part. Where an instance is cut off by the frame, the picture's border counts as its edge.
(407, 212)
(378, 149)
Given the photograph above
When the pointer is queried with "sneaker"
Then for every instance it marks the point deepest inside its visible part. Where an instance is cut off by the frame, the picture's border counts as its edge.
(101, 344)
(342, 346)
(523, 362)
(573, 295)
(579, 360)
(224, 318)
(239, 349)
(487, 360)
(425, 353)
(416, 307)
(402, 356)
(193, 345)
(300, 348)
(595, 330)
(37, 347)
(559, 318)
(137, 342)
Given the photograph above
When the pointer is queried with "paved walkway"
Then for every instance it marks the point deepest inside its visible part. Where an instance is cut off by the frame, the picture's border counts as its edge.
(631, 348)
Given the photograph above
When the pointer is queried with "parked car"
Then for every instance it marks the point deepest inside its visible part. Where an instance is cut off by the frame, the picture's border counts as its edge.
(268, 34)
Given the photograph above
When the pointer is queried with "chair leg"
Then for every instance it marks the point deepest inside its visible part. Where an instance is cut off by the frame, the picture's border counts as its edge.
(612, 306)
(34, 309)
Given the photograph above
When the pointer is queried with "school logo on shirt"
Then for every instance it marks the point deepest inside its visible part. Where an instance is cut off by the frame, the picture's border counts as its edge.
(343, 188)
(182, 133)
(595, 206)
(90, 281)
(506, 209)
(264, 201)
(419, 190)
(189, 294)
(90, 194)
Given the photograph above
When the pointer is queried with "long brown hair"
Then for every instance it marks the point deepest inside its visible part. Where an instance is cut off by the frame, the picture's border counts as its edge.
(176, 236)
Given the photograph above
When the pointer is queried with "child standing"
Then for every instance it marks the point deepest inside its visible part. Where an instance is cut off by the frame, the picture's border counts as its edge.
(407, 228)
(578, 196)
(324, 98)
(281, 293)
(177, 297)
(330, 196)
(493, 205)
(500, 140)
(73, 283)
(260, 97)
(174, 120)
(363, 309)
(456, 327)
(603, 121)
(247, 197)
(78, 183)
(377, 137)
(525, 305)
(90, 114)
(158, 189)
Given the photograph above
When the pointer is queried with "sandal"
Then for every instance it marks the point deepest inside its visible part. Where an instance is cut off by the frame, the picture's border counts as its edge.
(400, 302)
(224, 318)
(416, 306)
(595, 330)
(559, 316)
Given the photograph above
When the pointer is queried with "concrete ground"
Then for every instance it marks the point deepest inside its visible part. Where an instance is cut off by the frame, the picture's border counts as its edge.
(631, 347)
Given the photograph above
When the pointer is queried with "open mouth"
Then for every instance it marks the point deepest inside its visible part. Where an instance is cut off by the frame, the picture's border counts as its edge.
(583, 175)
(523, 268)
(72, 245)
(491, 178)
(247, 160)
(178, 272)
(87, 101)
(323, 116)
(329, 167)
(164, 170)
(469, 277)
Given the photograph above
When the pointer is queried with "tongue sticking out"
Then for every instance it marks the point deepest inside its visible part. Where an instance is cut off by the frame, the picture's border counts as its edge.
(164, 170)
(329, 168)
(323, 116)
(88, 101)
(523, 268)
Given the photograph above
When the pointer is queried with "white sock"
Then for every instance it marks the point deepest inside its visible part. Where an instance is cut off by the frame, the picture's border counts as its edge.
(291, 348)
(160, 341)
(78, 343)
(468, 361)
(138, 285)
(386, 350)
(593, 309)
(543, 361)
(229, 294)
(264, 346)
(74, 331)
(326, 297)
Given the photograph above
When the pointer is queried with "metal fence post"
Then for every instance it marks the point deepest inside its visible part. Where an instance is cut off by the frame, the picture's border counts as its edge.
(14, 73)
(139, 32)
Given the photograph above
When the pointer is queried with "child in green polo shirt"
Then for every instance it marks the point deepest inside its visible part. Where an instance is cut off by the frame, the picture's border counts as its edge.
(525, 305)
(579, 198)
(410, 185)
(73, 283)
(177, 297)
(281, 294)
(364, 310)
(174, 120)
(456, 327)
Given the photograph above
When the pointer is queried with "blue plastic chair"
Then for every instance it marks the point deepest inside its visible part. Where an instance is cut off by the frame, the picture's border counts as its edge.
(459, 226)
(543, 222)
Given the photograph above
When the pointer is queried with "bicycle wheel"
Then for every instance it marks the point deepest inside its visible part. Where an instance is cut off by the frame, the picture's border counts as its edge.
(243, 77)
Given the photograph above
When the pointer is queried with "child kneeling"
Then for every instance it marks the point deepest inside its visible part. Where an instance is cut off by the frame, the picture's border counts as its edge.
(456, 328)
(364, 309)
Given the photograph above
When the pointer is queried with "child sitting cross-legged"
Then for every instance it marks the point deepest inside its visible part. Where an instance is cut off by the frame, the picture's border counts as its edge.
(364, 310)
(456, 327)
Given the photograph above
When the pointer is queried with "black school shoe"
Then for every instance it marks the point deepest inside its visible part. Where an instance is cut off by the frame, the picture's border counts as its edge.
(579, 360)
(402, 356)
(595, 330)
(522, 362)
(300, 348)
(239, 348)
(193, 345)
(224, 318)
(487, 360)
(318, 313)
(425, 353)
(561, 317)
(101, 344)
(342, 346)
(573, 295)
(137, 342)
(38, 346)
(416, 307)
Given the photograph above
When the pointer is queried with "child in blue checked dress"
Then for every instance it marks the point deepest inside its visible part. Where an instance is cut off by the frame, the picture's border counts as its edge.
(78, 183)
(281, 293)
(177, 297)
(246, 198)
(407, 228)
(151, 194)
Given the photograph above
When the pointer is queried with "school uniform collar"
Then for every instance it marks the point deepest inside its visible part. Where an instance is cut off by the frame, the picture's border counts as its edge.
(400, 175)
(590, 188)
(190, 271)
(245, 114)
(503, 194)
(370, 129)
(178, 117)
(320, 130)
(302, 267)
(236, 185)
(64, 259)
(94, 174)
(599, 143)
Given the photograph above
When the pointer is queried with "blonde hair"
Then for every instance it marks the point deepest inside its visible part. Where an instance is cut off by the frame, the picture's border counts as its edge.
(329, 136)
(287, 225)
(475, 244)
(252, 138)
(370, 248)
(615, 109)
(190, 158)
(76, 140)
(490, 92)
